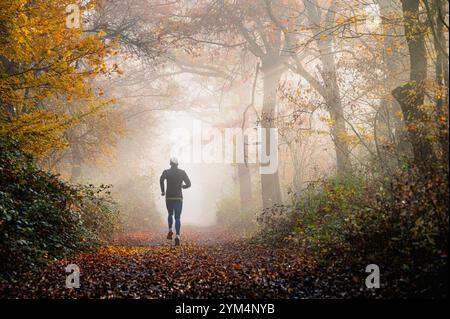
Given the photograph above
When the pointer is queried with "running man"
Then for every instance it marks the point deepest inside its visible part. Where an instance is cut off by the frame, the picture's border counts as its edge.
(174, 198)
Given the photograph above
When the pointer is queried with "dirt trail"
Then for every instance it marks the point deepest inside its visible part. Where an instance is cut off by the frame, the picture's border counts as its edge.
(208, 264)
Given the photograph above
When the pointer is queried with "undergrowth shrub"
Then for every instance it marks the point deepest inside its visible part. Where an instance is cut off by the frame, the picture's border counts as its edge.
(43, 218)
(400, 223)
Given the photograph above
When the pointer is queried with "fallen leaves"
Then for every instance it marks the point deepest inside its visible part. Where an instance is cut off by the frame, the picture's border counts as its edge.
(200, 268)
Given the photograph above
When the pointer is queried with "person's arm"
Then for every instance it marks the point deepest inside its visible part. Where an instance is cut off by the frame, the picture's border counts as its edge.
(186, 180)
(161, 182)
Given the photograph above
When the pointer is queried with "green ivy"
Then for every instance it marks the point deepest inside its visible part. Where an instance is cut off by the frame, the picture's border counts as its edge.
(43, 218)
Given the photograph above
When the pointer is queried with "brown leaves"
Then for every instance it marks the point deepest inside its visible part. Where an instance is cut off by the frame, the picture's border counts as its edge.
(197, 269)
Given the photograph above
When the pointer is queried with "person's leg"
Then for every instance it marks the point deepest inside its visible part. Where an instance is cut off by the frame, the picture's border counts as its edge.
(178, 206)
(170, 209)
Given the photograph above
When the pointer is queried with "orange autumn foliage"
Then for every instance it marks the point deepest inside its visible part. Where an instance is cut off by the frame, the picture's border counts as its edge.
(44, 66)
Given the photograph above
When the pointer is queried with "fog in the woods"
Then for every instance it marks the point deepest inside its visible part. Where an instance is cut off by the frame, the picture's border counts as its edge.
(344, 102)
(305, 81)
(145, 148)
(327, 75)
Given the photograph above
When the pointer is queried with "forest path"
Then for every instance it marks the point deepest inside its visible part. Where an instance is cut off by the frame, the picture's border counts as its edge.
(208, 264)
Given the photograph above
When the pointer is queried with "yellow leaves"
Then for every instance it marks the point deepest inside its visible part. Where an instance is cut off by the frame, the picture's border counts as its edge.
(38, 131)
(122, 250)
(323, 37)
(379, 37)
(411, 127)
(353, 19)
(399, 115)
(440, 92)
(48, 66)
(47, 52)
(349, 139)
(398, 45)
(340, 20)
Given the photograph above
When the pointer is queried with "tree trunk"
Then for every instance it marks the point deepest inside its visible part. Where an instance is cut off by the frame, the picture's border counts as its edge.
(332, 93)
(412, 94)
(270, 183)
(440, 46)
(297, 179)
(334, 104)
(389, 124)
(245, 186)
(243, 169)
(338, 133)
